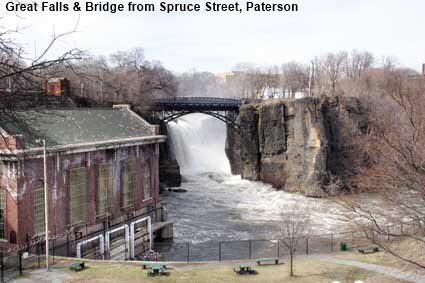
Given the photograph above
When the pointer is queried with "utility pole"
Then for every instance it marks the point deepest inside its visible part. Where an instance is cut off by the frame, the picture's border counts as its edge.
(46, 201)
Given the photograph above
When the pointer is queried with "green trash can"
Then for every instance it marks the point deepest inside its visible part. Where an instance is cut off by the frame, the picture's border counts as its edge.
(343, 246)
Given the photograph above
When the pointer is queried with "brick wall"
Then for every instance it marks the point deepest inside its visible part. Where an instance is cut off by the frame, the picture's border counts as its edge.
(11, 142)
(20, 217)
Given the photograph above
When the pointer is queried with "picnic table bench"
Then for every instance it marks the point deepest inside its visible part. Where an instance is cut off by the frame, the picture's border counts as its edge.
(244, 269)
(268, 259)
(369, 249)
(157, 269)
(147, 264)
(76, 266)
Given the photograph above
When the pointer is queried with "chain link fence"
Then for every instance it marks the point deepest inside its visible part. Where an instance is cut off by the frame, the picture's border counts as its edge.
(12, 263)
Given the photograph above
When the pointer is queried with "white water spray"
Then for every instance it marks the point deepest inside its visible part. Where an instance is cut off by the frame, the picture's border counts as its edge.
(198, 142)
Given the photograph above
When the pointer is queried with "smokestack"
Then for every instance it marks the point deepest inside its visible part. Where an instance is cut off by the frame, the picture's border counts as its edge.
(423, 69)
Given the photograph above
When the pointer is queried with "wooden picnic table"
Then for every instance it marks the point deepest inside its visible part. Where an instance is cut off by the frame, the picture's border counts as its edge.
(150, 264)
(244, 268)
(157, 269)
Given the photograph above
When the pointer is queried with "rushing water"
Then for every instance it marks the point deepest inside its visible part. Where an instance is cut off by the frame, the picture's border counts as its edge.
(219, 206)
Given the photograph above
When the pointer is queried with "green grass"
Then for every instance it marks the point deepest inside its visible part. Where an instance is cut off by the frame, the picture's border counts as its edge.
(306, 271)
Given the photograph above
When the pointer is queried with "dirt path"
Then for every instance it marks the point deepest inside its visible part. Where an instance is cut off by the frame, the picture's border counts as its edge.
(389, 271)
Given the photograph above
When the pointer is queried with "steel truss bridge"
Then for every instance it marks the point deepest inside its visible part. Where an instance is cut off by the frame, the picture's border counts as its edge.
(224, 109)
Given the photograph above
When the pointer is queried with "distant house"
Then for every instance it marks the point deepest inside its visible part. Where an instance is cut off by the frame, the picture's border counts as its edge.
(57, 86)
(102, 165)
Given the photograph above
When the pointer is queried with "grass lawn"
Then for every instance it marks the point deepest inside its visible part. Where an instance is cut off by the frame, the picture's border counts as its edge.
(307, 270)
(407, 248)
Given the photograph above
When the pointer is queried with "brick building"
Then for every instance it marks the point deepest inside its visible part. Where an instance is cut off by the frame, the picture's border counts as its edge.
(102, 165)
(57, 86)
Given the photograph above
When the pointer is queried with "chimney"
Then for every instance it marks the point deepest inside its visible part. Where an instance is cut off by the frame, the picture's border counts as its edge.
(12, 142)
(122, 106)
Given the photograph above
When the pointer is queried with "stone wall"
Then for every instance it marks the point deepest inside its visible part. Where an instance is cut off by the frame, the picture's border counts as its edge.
(296, 144)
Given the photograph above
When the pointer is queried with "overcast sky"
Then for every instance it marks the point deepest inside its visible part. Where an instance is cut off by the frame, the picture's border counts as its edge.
(216, 41)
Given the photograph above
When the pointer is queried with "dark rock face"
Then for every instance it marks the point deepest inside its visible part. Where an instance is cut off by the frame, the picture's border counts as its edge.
(296, 144)
(169, 169)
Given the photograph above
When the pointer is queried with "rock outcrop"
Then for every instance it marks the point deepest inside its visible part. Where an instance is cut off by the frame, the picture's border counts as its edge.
(298, 144)
(169, 169)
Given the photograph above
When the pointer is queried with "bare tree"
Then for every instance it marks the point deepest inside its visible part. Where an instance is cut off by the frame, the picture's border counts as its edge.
(395, 151)
(332, 68)
(295, 78)
(125, 76)
(296, 223)
(389, 63)
(356, 63)
(22, 77)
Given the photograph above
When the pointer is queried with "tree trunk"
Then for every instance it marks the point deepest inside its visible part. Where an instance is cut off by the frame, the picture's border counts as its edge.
(291, 264)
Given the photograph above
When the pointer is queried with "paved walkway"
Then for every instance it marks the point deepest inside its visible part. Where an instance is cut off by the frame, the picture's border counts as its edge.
(389, 271)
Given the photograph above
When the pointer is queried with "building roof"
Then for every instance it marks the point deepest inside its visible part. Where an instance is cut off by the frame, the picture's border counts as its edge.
(76, 127)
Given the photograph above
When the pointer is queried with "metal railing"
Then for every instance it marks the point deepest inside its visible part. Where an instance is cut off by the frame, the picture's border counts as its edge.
(12, 263)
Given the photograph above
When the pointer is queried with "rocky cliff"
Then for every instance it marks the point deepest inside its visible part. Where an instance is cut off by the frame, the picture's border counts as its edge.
(297, 145)
(169, 169)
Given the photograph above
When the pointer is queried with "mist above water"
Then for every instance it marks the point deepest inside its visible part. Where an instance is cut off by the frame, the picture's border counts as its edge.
(199, 142)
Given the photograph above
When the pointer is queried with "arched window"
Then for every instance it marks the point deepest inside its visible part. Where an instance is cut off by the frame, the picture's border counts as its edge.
(103, 187)
(147, 180)
(2, 213)
(38, 205)
(127, 183)
(77, 195)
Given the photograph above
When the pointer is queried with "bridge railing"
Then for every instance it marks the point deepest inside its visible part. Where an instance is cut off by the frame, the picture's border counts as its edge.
(185, 99)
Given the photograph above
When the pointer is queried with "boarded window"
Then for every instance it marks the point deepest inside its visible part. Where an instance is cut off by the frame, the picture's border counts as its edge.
(1, 214)
(103, 187)
(127, 183)
(147, 180)
(77, 195)
(38, 204)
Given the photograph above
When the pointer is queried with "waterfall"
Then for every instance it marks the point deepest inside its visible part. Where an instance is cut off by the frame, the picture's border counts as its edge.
(199, 142)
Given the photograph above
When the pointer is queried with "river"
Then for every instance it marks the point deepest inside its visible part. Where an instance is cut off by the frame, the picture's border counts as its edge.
(219, 206)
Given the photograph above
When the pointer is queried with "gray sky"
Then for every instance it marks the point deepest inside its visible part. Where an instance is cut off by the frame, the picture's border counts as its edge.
(216, 41)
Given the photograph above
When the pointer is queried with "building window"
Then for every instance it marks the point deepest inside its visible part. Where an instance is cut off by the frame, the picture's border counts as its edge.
(38, 204)
(1, 213)
(103, 188)
(147, 180)
(127, 183)
(77, 195)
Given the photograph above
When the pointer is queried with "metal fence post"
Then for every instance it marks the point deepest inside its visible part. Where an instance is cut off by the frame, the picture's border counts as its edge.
(20, 262)
(67, 245)
(2, 267)
(278, 248)
(306, 245)
(219, 251)
(53, 252)
(28, 243)
(38, 254)
(249, 244)
(188, 253)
